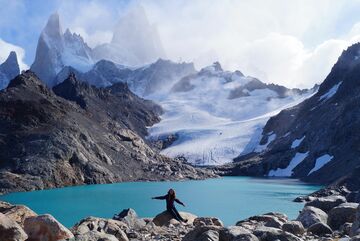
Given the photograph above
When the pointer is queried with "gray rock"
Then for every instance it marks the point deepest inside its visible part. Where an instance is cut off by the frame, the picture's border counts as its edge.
(165, 218)
(320, 229)
(198, 232)
(10, 230)
(345, 229)
(326, 203)
(108, 226)
(232, 232)
(130, 217)
(208, 221)
(272, 234)
(17, 213)
(274, 220)
(95, 236)
(294, 227)
(355, 238)
(341, 214)
(311, 215)
(46, 227)
(210, 235)
(355, 229)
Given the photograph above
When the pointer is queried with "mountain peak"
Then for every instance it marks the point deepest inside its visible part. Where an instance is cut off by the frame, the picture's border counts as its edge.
(215, 67)
(28, 79)
(53, 27)
(11, 63)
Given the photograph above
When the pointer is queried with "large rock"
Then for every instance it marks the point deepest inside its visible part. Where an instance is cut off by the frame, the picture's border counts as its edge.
(272, 234)
(130, 217)
(234, 232)
(10, 230)
(45, 228)
(210, 235)
(108, 226)
(355, 238)
(274, 220)
(311, 215)
(341, 214)
(294, 227)
(203, 233)
(355, 229)
(327, 203)
(165, 218)
(208, 221)
(17, 213)
(320, 229)
(95, 236)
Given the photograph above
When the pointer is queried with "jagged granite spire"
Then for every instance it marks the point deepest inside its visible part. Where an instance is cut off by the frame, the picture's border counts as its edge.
(55, 50)
(9, 69)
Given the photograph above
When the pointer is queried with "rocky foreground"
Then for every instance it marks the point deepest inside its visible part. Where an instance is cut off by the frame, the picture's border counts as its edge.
(323, 218)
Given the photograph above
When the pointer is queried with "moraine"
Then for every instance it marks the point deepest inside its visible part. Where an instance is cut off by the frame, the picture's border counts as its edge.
(249, 196)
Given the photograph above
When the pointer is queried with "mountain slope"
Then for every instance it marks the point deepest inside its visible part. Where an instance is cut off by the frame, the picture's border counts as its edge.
(8, 70)
(317, 140)
(213, 115)
(48, 141)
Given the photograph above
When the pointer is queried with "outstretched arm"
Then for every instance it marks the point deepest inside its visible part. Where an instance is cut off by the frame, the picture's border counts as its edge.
(159, 197)
(179, 202)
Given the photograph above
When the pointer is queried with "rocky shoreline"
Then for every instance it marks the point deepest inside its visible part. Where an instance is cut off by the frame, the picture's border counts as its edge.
(323, 218)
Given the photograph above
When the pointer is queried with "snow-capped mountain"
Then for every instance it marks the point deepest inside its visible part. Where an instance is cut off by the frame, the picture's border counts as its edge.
(135, 41)
(214, 115)
(9, 70)
(317, 140)
(56, 49)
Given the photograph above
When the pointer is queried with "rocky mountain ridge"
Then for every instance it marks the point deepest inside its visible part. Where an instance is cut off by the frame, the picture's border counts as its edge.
(85, 135)
(316, 140)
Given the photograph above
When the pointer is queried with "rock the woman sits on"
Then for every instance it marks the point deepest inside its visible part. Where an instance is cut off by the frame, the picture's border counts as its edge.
(170, 198)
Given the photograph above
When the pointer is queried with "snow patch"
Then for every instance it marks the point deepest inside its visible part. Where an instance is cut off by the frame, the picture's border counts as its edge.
(297, 142)
(320, 162)
(331, 92)
(261, 148)
(287, 172)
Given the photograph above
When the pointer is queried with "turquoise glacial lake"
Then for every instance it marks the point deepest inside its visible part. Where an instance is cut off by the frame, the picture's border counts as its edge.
(230, 198)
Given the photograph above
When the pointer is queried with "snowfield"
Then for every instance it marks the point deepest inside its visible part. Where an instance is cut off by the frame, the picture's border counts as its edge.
(212, 128)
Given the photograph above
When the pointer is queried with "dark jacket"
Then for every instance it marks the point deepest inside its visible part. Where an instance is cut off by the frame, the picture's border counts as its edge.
(169, 201)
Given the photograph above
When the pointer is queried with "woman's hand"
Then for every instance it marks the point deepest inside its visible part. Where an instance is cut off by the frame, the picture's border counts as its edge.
(183, 204)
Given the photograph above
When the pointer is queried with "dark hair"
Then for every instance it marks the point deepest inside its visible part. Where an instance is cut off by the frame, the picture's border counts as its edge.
(172, 194)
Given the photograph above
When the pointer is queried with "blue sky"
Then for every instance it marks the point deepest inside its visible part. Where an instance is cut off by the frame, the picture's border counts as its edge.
(294, 43)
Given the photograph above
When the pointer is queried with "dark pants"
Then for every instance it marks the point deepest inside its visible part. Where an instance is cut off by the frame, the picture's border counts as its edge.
(175, 214)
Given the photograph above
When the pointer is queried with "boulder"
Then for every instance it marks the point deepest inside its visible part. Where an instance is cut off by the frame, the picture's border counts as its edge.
(165, 218)
(320, 229)
(272, 234)
(355, 238)
(17, 213)
(210, 235)
(108, 226)
(274, 220)
(45, 228)
(294, 227)
(208, 221)
(10, 230)
(95, 236)
(233, 232)
(345, 229)
(341, 214)
(327, 203)
(130, 217)
(355, 229)
(202, 232)
(311, 215)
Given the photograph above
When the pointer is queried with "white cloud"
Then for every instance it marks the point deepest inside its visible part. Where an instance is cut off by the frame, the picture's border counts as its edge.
(6, 48)
(293, 43)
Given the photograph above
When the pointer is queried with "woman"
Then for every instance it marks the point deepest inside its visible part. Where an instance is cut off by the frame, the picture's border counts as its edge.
(170, 198)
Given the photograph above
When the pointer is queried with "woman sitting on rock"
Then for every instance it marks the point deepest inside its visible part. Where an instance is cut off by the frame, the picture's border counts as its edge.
(170, 198)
